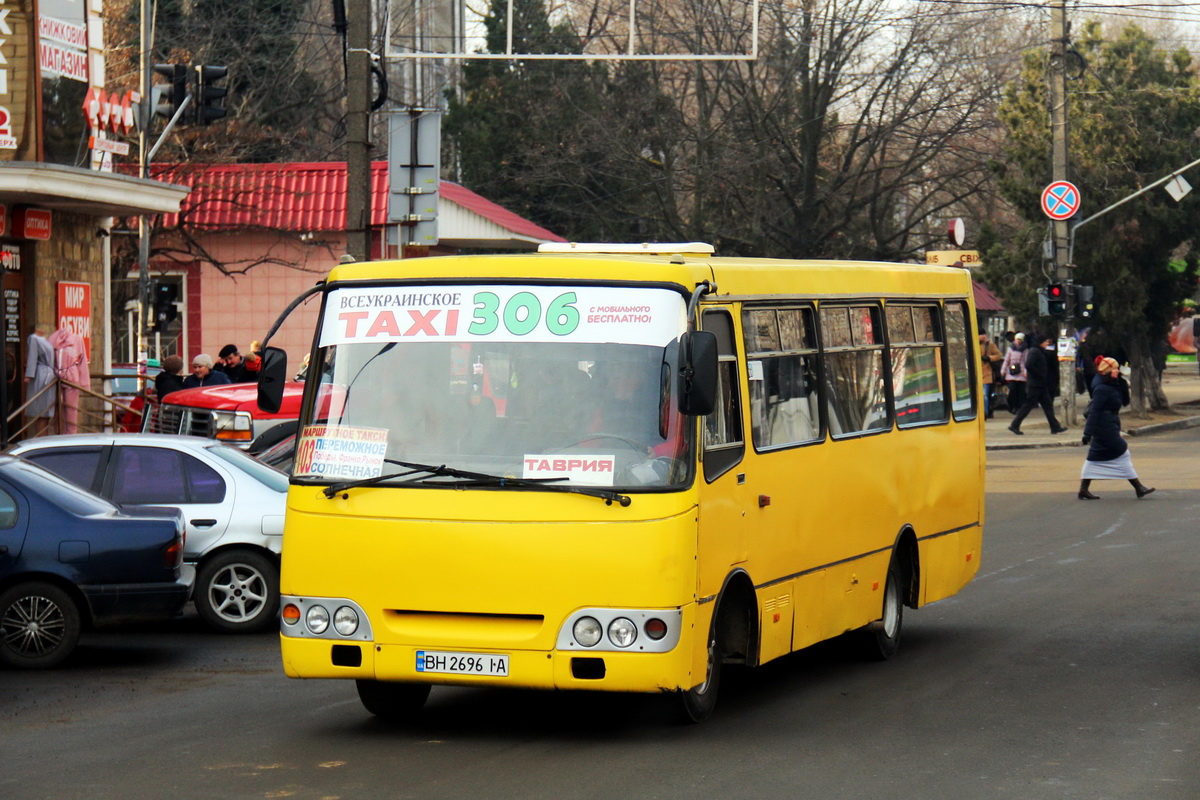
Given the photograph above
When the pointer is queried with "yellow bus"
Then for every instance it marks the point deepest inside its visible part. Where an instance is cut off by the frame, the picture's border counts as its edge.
(620, 468)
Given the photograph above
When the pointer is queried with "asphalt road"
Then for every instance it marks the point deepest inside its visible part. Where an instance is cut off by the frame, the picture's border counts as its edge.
(1070, 668)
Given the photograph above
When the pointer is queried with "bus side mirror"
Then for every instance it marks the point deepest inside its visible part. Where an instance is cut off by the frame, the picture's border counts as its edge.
(698, 373)
(272, 375)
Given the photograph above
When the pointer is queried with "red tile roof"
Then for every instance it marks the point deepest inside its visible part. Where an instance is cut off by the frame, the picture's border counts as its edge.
(984, 299)
(304, 197)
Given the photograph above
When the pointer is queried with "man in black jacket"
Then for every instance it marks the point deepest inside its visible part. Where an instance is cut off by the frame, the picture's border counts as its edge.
(1042, 387)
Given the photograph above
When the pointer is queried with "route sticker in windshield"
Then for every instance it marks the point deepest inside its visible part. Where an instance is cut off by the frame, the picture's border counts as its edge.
(589, 470)
(340, 451)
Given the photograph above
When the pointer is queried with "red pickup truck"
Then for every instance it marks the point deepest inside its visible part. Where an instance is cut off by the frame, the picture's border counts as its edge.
(228, 412)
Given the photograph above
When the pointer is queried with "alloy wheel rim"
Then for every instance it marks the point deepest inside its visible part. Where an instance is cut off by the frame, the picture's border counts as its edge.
(33, 626)
(238, 593)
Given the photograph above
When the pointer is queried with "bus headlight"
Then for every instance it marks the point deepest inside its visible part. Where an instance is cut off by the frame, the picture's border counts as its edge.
(317, 619)
(345, 621)
(587, 631)
(622, 632)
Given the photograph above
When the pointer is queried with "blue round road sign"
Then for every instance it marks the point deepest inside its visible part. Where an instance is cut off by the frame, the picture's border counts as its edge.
(1060, 200)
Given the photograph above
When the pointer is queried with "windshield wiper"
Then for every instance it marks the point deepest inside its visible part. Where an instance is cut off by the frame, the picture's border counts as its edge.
(476, 479)
(486, 479)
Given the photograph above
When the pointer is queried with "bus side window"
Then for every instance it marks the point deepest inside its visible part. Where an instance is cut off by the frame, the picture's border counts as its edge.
(856, 396)
(724, 443)
(781, 367)
(916, 355)
(961, 357)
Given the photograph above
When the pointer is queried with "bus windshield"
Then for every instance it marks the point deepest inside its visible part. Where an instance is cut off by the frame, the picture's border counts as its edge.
(576, 388)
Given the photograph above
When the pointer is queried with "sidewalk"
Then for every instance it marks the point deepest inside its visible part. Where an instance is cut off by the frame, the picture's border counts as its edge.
(1181, 383)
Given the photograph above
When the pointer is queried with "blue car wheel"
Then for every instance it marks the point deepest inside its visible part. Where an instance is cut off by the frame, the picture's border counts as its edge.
(39, 626)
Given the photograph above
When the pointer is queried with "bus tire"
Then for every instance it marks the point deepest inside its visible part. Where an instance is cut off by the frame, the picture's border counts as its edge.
(392, 701)
(881, 639)
(237, 591)
(697, 703)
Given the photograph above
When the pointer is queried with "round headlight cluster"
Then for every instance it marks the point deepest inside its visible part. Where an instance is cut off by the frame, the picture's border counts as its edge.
(622, 632)
(316, 619)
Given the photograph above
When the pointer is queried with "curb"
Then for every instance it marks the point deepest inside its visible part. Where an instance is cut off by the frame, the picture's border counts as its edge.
(1141, 430)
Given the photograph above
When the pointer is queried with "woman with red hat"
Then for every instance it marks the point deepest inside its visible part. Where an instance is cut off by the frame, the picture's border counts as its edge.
(1108, 454)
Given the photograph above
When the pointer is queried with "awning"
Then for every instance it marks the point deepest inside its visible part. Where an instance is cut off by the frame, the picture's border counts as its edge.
(86, 191)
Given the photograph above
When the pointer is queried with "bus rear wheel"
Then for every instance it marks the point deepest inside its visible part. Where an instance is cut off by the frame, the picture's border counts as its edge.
(392, 701)
(697, 703)
(881, 639)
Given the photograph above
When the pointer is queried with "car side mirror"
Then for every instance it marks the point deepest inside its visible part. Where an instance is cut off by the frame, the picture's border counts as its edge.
(698, 373)
(272, 376)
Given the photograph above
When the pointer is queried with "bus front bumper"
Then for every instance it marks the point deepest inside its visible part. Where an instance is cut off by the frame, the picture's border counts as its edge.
(554, 669)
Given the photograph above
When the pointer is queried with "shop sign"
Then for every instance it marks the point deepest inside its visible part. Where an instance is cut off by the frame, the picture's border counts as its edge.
(31, 223)
(10, 257)
(63, 48)
(18, 81)
(75, 310)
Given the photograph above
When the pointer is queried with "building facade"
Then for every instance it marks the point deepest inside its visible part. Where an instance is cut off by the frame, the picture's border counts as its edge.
(60, 130)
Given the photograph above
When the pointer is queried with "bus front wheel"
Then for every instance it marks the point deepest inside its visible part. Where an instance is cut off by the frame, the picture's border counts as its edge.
(698, 702)
(881, 639)
(394, 701)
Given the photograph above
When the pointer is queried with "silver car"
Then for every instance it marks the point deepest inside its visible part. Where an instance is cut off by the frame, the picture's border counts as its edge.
(233, 506)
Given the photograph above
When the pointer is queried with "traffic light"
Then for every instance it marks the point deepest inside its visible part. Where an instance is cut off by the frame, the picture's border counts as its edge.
(209, 96)
(170, 98)
(164, 296)
(1084, 296)
(1056, 299)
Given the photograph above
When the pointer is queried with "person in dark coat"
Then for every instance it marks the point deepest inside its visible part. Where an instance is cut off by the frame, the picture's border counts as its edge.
(231, 363)
(1108, 454)
(170, 379)
(1041, 385)
(203, 374)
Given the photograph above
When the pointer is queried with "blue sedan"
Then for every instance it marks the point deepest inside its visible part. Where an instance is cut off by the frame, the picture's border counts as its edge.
(70, 560)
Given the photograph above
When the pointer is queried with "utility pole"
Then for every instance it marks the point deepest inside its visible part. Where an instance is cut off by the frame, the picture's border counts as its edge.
(1057, 77)
(358, 129)
(146, 114)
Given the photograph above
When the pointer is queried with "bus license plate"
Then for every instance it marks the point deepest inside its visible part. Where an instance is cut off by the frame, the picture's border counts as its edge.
(492, 664)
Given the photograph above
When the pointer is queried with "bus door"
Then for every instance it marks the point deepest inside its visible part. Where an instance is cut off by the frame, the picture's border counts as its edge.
(726, 489)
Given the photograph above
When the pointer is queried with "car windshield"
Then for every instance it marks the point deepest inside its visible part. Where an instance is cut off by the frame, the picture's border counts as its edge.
(572, 387)
(55, 489)
(266, 475)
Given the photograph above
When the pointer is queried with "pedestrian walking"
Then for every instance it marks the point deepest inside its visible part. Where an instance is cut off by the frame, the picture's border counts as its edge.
(1013, 373)
(1041, 385)
(990, 358)
(1108, 454)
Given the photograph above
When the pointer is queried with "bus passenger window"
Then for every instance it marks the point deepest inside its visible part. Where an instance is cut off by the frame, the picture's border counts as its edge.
(855, 390)
(723, 442)
(960, 354)
(781, 355)
(916, 353)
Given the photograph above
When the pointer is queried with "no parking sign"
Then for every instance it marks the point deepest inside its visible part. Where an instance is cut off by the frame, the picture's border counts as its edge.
(1060, 200)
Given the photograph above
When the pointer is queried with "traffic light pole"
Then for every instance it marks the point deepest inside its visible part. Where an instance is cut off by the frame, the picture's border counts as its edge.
(1057, 77)
(145, 116)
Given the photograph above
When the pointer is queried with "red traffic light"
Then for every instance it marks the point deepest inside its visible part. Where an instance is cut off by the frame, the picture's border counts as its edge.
(1055, 291)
